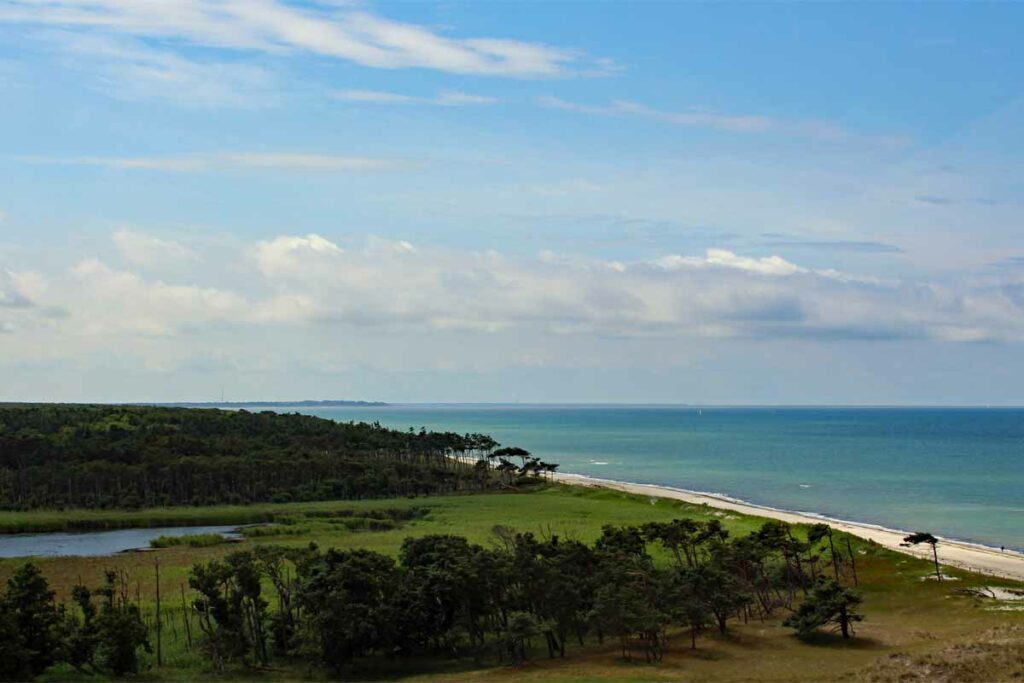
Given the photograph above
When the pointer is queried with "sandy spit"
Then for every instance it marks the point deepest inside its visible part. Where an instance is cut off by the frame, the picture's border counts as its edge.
(991, 561)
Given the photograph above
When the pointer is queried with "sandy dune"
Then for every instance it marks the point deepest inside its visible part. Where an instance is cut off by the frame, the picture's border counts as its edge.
(1006, 564)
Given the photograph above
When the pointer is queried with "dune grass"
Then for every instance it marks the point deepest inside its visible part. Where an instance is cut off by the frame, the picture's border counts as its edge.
(907, 616)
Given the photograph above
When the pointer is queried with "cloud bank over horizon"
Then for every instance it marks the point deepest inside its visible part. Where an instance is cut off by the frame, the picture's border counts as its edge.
(161, 303)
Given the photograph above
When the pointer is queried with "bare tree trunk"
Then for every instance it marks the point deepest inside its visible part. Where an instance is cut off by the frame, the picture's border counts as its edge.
(853, 562)
(159, 625)
(184, 616)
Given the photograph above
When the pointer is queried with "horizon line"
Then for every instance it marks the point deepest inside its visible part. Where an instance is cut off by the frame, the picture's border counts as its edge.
(367, 403)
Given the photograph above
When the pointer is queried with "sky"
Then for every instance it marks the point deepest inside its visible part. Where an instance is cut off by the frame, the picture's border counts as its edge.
(716, 203)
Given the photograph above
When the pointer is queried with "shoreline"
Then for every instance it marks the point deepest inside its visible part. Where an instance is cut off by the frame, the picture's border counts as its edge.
(974, 557)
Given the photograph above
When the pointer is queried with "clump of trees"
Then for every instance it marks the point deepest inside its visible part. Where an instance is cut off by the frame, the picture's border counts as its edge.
(829, 604)
(132, 456)
(36, 632)
(522, 596)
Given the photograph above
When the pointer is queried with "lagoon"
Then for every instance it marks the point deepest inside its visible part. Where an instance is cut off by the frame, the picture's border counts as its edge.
(97, 543)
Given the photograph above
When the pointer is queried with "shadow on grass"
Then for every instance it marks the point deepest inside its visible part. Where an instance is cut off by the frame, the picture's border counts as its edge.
(835, 640)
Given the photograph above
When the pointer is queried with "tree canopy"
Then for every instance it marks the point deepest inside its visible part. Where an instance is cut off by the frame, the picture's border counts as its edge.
(132, 456)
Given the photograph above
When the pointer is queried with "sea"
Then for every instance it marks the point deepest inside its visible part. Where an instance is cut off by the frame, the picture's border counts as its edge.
(956, 472)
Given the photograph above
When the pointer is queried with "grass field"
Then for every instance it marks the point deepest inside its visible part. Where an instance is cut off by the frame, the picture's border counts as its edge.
(913, 625)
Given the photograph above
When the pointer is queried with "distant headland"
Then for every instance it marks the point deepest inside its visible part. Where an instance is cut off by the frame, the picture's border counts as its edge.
(268, 404)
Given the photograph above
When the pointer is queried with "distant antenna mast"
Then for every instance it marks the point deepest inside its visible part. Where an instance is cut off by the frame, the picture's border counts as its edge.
(222, 394)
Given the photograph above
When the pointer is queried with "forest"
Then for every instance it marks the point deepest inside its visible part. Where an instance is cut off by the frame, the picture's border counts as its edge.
(272, 606)
(91, 456)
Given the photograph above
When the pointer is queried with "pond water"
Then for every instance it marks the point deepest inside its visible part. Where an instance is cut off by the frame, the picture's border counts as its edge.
(72, 544)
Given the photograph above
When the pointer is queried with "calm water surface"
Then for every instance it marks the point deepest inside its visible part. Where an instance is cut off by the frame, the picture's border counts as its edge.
(65, 544)
(955, 472)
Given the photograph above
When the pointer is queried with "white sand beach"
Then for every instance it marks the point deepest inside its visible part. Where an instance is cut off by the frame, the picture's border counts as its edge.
(977, 558)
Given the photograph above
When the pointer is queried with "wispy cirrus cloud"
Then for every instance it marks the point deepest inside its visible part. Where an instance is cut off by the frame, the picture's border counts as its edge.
(128, 69)
(1016, 262)
(853, 246)
(279, 27)
(941, 200)
(696, 118)
(448, 98)
(281, 161)
(726, 122)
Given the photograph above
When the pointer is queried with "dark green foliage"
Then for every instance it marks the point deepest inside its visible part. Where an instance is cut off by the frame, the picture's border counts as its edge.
(347, 598)
(83, 637)
(828, 604)
(32, 623)
(628, 604)
(35, 633)
(120, 631)
(232, 611)
(522, 626)
(686, 602)
(121, 456)
(443, 591)
(15, 658)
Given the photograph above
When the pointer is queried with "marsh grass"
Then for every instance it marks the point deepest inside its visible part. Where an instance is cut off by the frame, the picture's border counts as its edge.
(42, 521)
(191, 541)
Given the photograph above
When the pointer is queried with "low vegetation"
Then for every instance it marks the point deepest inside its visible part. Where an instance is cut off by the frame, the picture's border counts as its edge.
(190, 541)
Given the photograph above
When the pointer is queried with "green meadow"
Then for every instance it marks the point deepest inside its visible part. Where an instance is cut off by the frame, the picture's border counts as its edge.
(914, 626)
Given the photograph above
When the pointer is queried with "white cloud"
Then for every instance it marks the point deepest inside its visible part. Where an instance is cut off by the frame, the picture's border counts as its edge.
(286, 161)
(290, 255)
(107, 302)
(767, 265)
(140, 249)
(388, 302)
(449, 98)
(130, 70)
(16, 289)
(279, 27)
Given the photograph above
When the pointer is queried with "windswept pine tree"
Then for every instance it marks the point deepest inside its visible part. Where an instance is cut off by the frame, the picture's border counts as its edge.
(919, 537)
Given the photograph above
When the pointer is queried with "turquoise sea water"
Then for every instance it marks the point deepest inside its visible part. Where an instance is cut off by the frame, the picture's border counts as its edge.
(955, 472)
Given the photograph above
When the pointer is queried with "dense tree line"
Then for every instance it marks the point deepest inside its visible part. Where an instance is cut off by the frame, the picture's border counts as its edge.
(131, 456)
(521, 597)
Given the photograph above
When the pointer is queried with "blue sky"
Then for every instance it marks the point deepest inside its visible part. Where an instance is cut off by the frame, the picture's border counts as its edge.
(720, 203)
